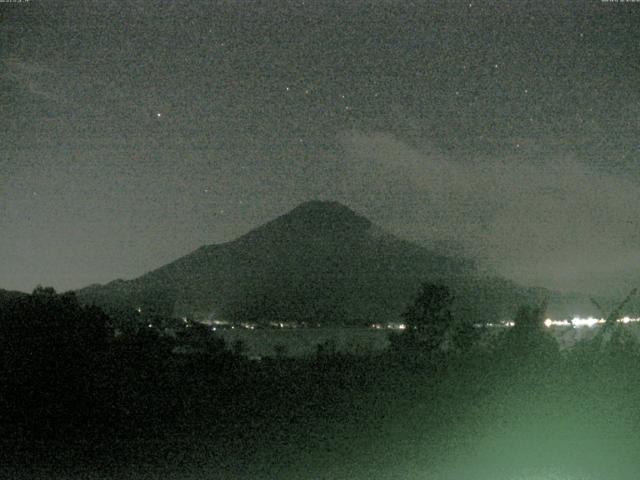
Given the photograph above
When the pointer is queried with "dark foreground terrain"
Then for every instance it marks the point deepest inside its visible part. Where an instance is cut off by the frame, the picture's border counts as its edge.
(352, 418)
(130, 408)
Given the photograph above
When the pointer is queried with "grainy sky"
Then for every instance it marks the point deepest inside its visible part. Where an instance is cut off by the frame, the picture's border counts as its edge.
(133, 132)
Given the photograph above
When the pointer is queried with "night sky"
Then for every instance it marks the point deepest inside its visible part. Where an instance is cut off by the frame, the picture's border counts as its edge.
(134, 132)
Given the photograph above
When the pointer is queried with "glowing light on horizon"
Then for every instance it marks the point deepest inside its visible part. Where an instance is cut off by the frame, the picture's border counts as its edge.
(586, 322)
(556, 323)
(577, 322)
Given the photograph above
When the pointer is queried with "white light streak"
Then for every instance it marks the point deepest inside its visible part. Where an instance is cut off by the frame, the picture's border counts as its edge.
(575, 322)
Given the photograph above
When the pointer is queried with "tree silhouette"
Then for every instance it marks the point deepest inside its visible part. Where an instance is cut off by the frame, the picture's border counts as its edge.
(527, 340)
(49, 350)
(529, 319)
(430, 314)
(613, 337)
(431, 331)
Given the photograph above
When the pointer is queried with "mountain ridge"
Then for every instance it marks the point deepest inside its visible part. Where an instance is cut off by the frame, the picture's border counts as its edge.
(321, 262)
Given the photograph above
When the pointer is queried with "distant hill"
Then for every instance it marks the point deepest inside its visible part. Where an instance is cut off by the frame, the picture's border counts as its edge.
(321, 262)
(7, 295)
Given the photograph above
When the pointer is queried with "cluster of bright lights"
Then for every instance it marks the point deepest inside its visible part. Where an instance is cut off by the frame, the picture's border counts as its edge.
(507, 323)
(557, 323)
(590, 322)
(575, 322)
(388, 326)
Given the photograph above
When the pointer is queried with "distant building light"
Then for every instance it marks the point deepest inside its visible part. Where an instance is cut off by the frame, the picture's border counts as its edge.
(556, 323)
(585, 322)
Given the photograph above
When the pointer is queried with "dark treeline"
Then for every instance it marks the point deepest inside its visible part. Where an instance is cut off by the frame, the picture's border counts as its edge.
(67, 369)
(73, 377)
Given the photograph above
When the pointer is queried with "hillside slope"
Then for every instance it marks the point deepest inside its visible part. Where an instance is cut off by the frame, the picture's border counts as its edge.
(321, 262)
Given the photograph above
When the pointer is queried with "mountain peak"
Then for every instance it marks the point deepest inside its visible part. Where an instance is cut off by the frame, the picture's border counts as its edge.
(312, 219)
(322, 207)
(318, 214)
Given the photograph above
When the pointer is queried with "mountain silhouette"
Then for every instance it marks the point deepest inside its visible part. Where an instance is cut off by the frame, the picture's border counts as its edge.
(319, 263)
